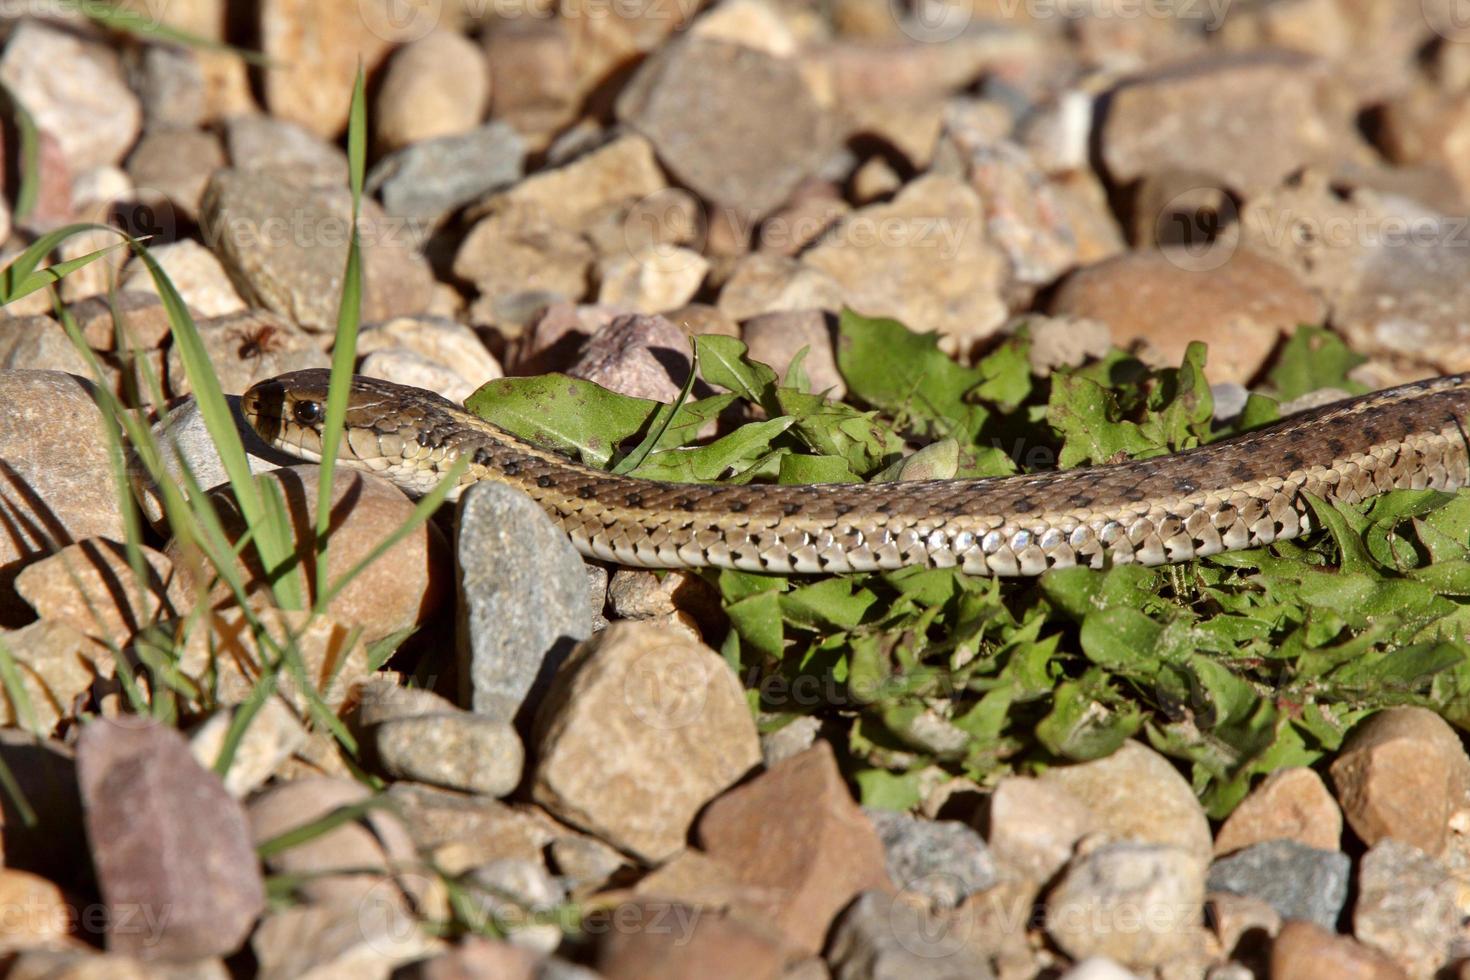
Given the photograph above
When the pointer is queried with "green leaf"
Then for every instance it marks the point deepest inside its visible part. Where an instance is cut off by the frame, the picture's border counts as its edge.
(663, 419)
(1081, 728)
(884, 790)
(1089, 419)
(725, 364)
(722, 457)
(1314, 358)
(577, 417)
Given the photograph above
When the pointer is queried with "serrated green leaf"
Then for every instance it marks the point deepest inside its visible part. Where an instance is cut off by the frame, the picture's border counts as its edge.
(1314, 358)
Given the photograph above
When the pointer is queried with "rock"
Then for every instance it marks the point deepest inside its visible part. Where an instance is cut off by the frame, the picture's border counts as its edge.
(314, 49)
(1291, 804)
(329, 940)
(430, 179)
(764, 283)
(453, 749)
(1033, 825)
(74, 89)
(884, 937)
(1246, 120)
(143, 319)
(259, 142)
(1065, 342)
(445, 342)
(165, 835)
(522, 601)
(513, 893)
(72, 964)
(939, 861)
(1241, 308)
(533, 82)
(38, 343)
(475, 958)
(814, 208)
(1299, 882)
(57, 666)
(284, 244)
(796, 831)
(640, 356)
(1402, 773)
(1023, 213)
(922, 258)
(271, 736)
(1111, 787)
(653, 279)
(174, 166)
(435, 86)
(1102, 968)
(669, 941)
(776, 339)
(790, 739)
(767, 132)
(556, 337)
(701, 318)
(169, 81)
(98, 277)
(247, 347)
(90, 587)
(616, 173)
(516, 255)
(47, 919)
(586, 863)
(1137, 903)
(183, 439)
(402, 589)
(408, 367)
(1241, 924)
(59, 487)
(1406, 906)
(635, 706)
(1313, 953)
(461, 832)
(355, 864)
(197, 275)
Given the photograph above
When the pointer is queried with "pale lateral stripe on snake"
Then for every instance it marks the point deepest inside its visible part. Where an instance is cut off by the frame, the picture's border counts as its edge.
(1237, 493)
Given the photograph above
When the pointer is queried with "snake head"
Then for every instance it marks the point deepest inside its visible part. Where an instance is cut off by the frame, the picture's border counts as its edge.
(287, 411)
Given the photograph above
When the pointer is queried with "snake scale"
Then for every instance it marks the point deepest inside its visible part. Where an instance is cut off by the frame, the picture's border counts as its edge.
(1236, 493)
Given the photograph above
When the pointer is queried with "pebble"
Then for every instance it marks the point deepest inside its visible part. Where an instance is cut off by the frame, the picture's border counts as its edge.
(284, 244)
(510, 894)
(1299, 881)
(337, 941)
(314, 49)
(259, 142)
(668, 941)
(516, 255)
(1242, 307)
(72, 964)
(653, 279)
(38, 343)
(923, 259)
(269, 739)
(401, 590)
(1311, 952)
(533, 84)
(776, 339)
(247, 347)
(555, 338)
(438, 85)
(886, 937)
(169, 81)
(1137, 903)
(765, 282)
(637, 706)
(44, 917)
(1023, 214)
(165, 835)
(349, 866)
(522, 601)
(173, 166)
(1291, 804)
(74, 89)
(453, 749)
(639, 356)
(1403, 774)
(617, 172)
(1406, 906)
(408, 367)
(1033, 825)
(143, 320)
(792, 738)
(90, 586)
(796, 830)
(58, 666)
(52, 441)
(941, 861)
(771, 134)
(450, 344)
(1111, 788)
(476, 957)
(198, 276)
(432, 178)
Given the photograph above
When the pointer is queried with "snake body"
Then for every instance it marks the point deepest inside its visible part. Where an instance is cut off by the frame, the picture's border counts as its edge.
(1238, 493)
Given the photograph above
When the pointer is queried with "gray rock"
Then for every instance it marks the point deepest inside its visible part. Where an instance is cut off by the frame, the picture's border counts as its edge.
(1407, 906)
(880, 937)
(428, 180)
(259, 142)
(941, 860)
(1298, 881)
(170, 82)
(454, 749)
(165, 835)
(516, 895)
(522, 601)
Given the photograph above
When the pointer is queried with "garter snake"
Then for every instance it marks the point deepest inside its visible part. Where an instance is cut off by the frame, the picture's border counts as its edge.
(1237, 493)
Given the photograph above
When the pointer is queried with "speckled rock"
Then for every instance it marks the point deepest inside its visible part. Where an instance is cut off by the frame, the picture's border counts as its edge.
(247, 347)
(1406, 906)
(944, 861)
(57, 665)
(618, 172)
(273, 734)
(651, 279)
(886, 937)
(635, 706)
(776, 339)
(90, 586)
(38, 343)
(766, 282)
(172, 167)
(517, 255)
(1299, 882)
(641, 356)
(428, 180)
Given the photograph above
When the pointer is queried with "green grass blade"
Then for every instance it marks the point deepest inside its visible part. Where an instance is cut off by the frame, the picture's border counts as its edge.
(666, 415)
(22, 276)
(15, 690)
(149, 29)
(322, 825)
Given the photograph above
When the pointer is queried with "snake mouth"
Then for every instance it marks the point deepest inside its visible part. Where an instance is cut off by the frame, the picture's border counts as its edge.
(264, 407)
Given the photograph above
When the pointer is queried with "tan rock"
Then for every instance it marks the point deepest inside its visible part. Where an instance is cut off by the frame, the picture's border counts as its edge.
(314, 48)
(1306, 950)
(40, 915)
(777, 338)
(438, 85)
(91, 587)
(1111, 788)
(922, 258)
(692, 945)
(1407, 907)
(143, 319)
(637, 707)
(534, 85)
(1241, 308)
(57, 665)
(171, 167)
(765, 282)
(653, 279)
(199, 277)
(38, 343)
(518, 249)
(1402, 773)
(247, 347)
(619, 172)
(1034, 825)
(795, 829)
(1292, 804)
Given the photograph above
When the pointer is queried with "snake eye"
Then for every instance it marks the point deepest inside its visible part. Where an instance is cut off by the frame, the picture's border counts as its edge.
(308, 413)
